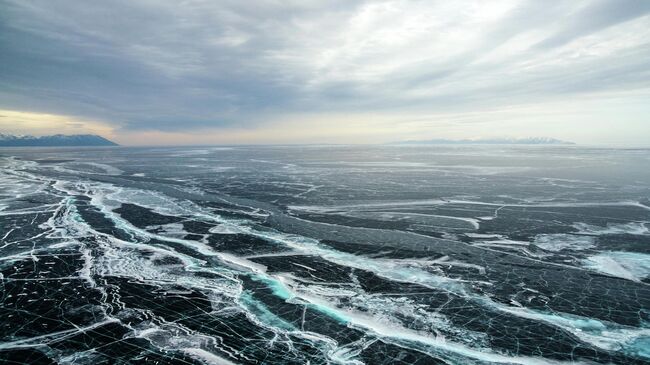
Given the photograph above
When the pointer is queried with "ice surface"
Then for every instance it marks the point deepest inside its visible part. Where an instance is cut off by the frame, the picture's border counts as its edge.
(339, 255)
(627, 265)
(558, 242)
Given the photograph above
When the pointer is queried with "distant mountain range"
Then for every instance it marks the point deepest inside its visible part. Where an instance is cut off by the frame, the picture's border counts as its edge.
(57, 140)
(531, 140)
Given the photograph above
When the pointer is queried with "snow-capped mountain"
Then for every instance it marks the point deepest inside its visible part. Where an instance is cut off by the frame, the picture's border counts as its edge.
(10, 140)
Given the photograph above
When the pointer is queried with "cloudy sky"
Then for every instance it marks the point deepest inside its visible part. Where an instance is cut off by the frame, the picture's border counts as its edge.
(337, 71)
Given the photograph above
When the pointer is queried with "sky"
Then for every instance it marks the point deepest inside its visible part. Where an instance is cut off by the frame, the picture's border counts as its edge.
(151, 72)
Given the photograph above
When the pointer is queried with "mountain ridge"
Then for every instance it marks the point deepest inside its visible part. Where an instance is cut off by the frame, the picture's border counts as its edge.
(527, 140)
(56, 140)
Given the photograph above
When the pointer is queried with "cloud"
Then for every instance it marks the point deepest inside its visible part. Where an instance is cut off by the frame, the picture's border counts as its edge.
(594, 17)
(166, 67)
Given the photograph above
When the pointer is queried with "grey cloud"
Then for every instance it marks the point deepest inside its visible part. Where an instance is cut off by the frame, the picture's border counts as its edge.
(596, 16)
(201, 64)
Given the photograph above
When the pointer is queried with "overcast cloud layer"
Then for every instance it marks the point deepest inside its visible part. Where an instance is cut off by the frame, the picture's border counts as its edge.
(383, 69)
